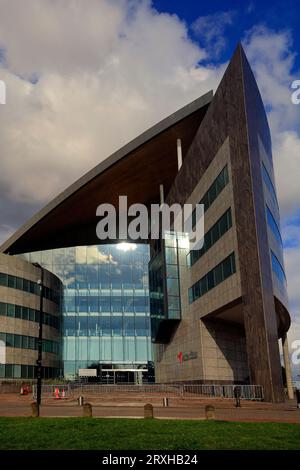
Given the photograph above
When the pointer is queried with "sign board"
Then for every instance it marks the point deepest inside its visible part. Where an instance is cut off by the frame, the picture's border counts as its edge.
(187, 356)
(87, 372)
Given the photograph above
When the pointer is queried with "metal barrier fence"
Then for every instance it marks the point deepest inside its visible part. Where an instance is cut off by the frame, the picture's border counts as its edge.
(248, 392)
(53, 391)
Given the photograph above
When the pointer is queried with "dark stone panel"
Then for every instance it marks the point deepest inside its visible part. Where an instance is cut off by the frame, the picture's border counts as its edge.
(237, 112)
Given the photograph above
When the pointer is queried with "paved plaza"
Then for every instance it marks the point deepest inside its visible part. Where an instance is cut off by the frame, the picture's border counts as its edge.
(12, 404)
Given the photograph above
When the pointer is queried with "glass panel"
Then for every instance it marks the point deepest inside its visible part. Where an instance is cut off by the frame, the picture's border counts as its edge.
(117, 326)
(223, 270)
(129, 349)
(18, 311)
(82, 349)
(211, 237)
(17, 341)
(19, 283)
(278, 269)
(3, 309)
(94, 349)
(273, 226)
(141, 349)
(128, 326)
(82, 326)
(10, 310)
(12, 282)
(9, 340)
(3, 279)
(117, 349)
(105, 326)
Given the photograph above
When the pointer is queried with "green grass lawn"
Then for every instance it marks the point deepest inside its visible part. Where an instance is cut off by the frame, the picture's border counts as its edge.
(135, 434)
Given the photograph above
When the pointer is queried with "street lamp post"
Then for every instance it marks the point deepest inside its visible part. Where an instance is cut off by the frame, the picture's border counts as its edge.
(39, 368)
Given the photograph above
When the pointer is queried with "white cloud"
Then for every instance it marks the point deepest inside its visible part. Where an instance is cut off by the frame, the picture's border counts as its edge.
(210, 30)
(287, 170)
(105, 73)
(272, 58)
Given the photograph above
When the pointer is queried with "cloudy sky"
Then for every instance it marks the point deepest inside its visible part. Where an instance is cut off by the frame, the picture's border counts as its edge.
(85, 77)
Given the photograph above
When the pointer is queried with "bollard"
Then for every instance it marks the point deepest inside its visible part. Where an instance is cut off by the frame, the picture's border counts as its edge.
(148, 411)
(80, 400)
(210, 412)
(165, 402)
(35, 412)
(87, 410)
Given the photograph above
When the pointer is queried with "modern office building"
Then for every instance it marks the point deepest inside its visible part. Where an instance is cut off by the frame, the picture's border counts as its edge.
(218, 313)
(20, 295)
(105, 309)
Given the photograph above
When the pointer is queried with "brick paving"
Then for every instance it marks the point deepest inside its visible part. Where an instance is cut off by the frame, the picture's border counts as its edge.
(187, 408)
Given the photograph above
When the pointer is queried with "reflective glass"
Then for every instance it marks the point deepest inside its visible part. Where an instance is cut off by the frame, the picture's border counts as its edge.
(105, 287)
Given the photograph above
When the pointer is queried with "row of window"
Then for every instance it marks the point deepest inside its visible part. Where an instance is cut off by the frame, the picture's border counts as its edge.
(26, 313)
(106, 326)
(211, 237)
(28, 342)
(269, 184)
(18, 371)
(25, 285)
(273, 226)
(278, 269)
(214, 190)
(121, 349)
(107, 304)
(172, 269)
(214, 277)
(94, 254)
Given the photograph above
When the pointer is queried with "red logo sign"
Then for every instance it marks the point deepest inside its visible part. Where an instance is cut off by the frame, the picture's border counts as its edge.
(179, 356)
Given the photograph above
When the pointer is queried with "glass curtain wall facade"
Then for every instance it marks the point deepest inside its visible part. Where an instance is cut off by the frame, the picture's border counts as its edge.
(106, 322)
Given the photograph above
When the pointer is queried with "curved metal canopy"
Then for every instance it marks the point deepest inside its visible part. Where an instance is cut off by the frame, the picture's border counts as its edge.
(136, 170)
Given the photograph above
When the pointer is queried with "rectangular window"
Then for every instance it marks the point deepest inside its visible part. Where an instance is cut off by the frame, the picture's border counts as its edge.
(273, 226)
(3, 309)
(10, 310)
(214, 277)
(19, 283)
(25, 285)
(32, 342)
(278, 269)
(18, 311)
(9, 340)
(12, 282)
(269, 184)
(25, 313)
(211, 237)
(24, 342)
(105, 326)
(117, 326)
(3, 279)
(217, 186)
(31, 314)
(18, 341)
(32, 287)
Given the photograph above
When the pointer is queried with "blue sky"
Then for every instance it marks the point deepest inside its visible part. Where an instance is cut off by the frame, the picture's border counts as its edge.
(278, 15)
(106, 72)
